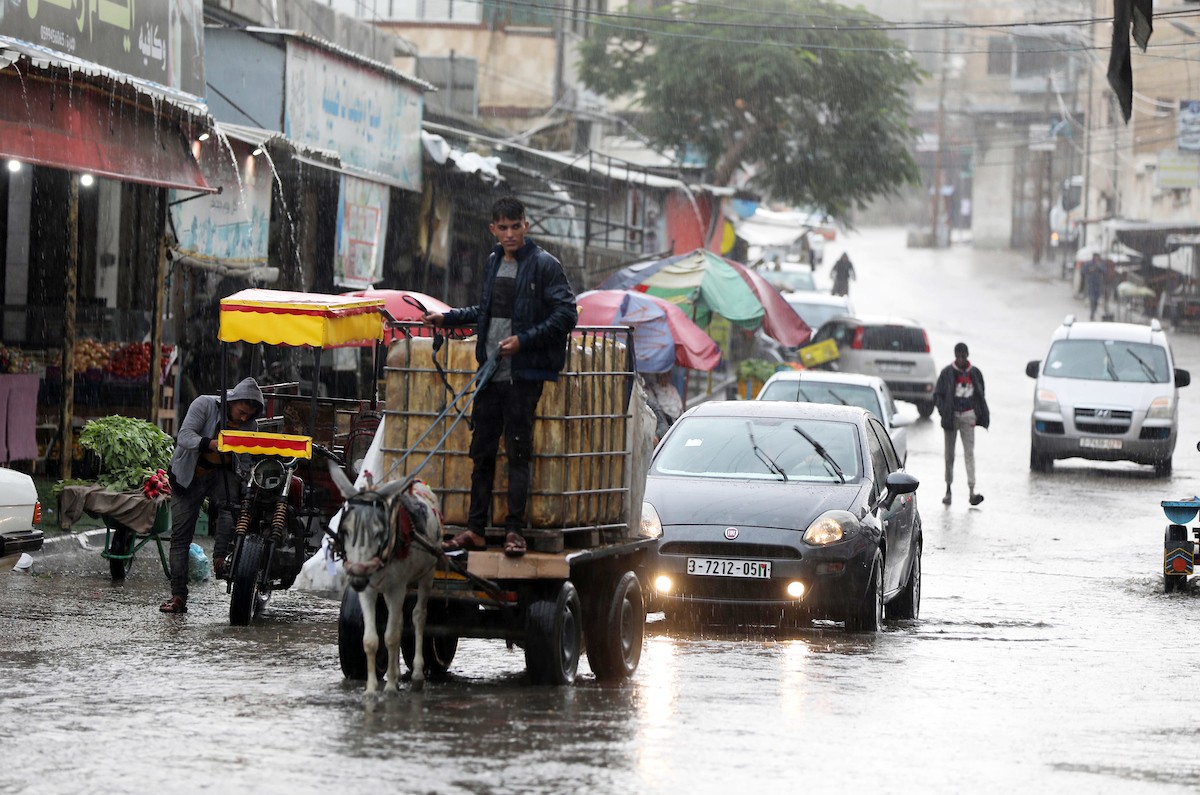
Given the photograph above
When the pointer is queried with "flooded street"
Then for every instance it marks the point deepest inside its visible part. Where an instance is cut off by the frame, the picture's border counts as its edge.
(1046, 658)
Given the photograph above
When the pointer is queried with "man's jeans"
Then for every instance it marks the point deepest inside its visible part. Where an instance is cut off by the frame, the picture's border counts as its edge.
(502, 408)
(964, 426)
(219, 486)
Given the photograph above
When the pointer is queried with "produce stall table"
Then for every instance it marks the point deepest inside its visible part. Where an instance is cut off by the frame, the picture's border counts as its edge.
(131, 520)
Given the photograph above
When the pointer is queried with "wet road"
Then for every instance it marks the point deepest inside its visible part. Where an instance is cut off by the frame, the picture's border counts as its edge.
(1047, 658)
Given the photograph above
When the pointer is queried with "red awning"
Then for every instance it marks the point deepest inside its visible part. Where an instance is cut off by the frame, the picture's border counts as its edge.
(77, 126)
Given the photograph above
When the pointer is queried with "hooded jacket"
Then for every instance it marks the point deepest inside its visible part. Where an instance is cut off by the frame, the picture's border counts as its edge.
(943, 397)
(544, 313)
(204, 421)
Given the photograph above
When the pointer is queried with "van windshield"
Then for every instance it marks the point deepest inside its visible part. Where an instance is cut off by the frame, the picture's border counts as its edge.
(1108, 360)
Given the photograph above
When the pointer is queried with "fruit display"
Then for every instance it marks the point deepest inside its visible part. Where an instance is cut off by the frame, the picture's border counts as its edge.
(91, 354)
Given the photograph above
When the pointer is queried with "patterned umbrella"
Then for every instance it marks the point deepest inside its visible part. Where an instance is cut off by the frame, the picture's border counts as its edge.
(663, 334)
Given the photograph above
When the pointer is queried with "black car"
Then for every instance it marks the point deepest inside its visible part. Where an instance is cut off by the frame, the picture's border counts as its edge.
(777, 513)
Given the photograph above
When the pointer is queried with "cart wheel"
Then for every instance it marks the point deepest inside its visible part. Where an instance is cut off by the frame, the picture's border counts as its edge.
(248, 595)
(552, 637)
(615, 629)
(1176, 533)
(121, 543)
(439, 651)
(350, 637)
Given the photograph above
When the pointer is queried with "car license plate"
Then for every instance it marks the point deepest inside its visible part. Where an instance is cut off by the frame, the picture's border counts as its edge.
(725, 567)
(894, 367)
(1100, 444)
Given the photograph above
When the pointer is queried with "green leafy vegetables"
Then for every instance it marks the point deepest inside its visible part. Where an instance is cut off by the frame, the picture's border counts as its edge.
(130, 450)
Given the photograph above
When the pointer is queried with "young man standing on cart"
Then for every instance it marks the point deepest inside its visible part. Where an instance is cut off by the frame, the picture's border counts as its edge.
(198, 471)
(524, 316)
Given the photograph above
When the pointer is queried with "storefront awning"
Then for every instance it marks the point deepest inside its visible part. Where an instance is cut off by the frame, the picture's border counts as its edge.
(78, 125)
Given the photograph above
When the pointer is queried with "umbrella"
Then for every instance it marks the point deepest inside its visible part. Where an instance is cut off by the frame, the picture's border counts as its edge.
(400, 309)
(709, 284)
(663, 334)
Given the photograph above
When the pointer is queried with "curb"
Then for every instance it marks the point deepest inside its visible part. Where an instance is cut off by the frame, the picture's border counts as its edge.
(56, 542)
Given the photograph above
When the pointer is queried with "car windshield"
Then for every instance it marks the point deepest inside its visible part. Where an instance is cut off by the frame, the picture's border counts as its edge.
(724, 447)
(795, 280)
(1108, 360)
(901, 339)
(817, 392)
(814, 315)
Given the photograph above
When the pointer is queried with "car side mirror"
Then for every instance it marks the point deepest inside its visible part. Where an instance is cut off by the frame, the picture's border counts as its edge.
(1182, 377)
(1031, 369)
(899, 483)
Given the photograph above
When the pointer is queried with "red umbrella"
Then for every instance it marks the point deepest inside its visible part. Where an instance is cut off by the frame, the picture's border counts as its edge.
(693, 348)
(400, 309)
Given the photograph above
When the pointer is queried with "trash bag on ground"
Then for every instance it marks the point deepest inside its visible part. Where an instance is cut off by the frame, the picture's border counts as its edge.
(199, 566)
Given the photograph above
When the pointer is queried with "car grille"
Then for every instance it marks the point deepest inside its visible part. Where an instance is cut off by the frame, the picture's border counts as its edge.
(730, 590)
(729, 550)
(1113, 422)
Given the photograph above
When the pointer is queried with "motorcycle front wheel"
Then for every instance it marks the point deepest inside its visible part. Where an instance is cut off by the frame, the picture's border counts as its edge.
(248, 595)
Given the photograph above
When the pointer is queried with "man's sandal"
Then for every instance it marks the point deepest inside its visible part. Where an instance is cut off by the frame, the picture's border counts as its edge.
(514, 545)
(464, 541)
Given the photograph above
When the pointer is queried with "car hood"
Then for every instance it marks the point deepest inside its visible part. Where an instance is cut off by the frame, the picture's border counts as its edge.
(1109, 394)
(703, 501)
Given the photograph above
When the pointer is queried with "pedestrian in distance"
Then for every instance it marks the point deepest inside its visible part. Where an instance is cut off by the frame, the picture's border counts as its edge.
(198, 472)
(842, 272)
(1093, 280)
(523, 319)
(960, 400)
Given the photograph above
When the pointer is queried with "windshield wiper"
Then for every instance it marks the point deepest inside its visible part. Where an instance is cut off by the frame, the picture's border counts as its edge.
(840, 399)
(1112, 371)
(762, 455)
(803, 395)
(821, 451)
(1150, 373)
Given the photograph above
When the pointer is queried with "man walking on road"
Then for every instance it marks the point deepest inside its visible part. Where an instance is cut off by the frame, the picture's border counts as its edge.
(523, 319)
(960, 401)
(1093, 280)
(842, 272)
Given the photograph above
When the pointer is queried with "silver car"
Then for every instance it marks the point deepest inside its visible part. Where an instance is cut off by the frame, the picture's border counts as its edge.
(1106, 392)
(894, 348)
(843, 389)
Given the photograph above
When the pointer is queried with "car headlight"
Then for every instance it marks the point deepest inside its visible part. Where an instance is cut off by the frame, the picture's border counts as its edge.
(1160, 409)
(651, 525)
(829, 528)
(1045, 400)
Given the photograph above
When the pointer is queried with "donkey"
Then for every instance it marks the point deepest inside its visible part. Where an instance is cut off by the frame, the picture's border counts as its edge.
(387, 537)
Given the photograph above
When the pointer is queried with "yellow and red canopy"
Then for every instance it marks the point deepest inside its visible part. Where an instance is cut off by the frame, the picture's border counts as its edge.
(314, 320)
(256, 443)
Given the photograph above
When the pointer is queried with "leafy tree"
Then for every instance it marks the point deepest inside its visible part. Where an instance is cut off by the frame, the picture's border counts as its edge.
(810, 95)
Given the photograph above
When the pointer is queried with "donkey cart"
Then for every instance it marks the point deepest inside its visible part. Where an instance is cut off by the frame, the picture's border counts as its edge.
(577, 589)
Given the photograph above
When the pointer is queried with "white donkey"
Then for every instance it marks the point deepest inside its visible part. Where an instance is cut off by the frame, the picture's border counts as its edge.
(379, 538)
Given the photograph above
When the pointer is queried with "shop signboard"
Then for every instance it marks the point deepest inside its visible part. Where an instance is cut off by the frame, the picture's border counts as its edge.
(230, 227)
(1177, 170)
(1187, 126)
(161, 41)
(361, 225)
(371, 119)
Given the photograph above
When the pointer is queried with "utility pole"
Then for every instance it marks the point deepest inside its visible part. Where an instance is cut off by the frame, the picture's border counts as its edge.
(936, 199)
(1087, 148)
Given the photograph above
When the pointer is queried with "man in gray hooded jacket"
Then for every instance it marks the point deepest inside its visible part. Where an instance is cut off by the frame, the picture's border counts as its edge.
(199, 471)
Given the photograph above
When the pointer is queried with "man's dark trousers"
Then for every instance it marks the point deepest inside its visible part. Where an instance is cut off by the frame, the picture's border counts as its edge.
(502, 408)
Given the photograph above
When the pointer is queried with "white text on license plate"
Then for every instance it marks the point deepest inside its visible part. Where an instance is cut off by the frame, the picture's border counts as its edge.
(725, 567)
(1100, 444)
(894, 367)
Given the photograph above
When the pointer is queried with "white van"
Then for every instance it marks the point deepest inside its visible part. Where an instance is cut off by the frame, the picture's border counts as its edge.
(1106, 392)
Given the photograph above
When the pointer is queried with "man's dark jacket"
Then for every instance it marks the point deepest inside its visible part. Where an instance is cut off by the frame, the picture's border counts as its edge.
(943, 398)
(544, 313)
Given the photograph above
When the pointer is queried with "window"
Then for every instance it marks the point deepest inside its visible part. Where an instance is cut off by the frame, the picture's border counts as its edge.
(527, 14)
(879, 464)
(1040, 57)
(999, 61)
(898, 339)
(885, 442)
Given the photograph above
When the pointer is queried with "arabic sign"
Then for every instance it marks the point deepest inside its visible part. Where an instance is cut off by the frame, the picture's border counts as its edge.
(1177, 170)
(1187, 125)
(230, 227)
(157, 40)
(372, 120)
(361, 223)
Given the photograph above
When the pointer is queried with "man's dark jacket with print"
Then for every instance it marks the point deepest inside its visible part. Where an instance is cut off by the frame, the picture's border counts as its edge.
(943, 398)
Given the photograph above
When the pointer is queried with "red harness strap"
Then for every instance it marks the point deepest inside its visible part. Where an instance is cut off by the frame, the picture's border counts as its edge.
(405, 534)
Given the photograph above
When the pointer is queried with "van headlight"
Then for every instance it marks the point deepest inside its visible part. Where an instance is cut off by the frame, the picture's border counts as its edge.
(1045, 400)
(830, 528)
(1160, 409)
(651, 525)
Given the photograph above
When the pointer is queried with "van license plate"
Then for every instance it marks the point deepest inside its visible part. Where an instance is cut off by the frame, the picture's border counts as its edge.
(1100, 444)
(725, 567)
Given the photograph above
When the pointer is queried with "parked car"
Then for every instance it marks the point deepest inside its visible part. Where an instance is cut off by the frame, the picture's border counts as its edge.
(816, 308)
(20, 515)
(1106, 392)
(893, 348)
(776, 512)
(869, 392)
(789, 278)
